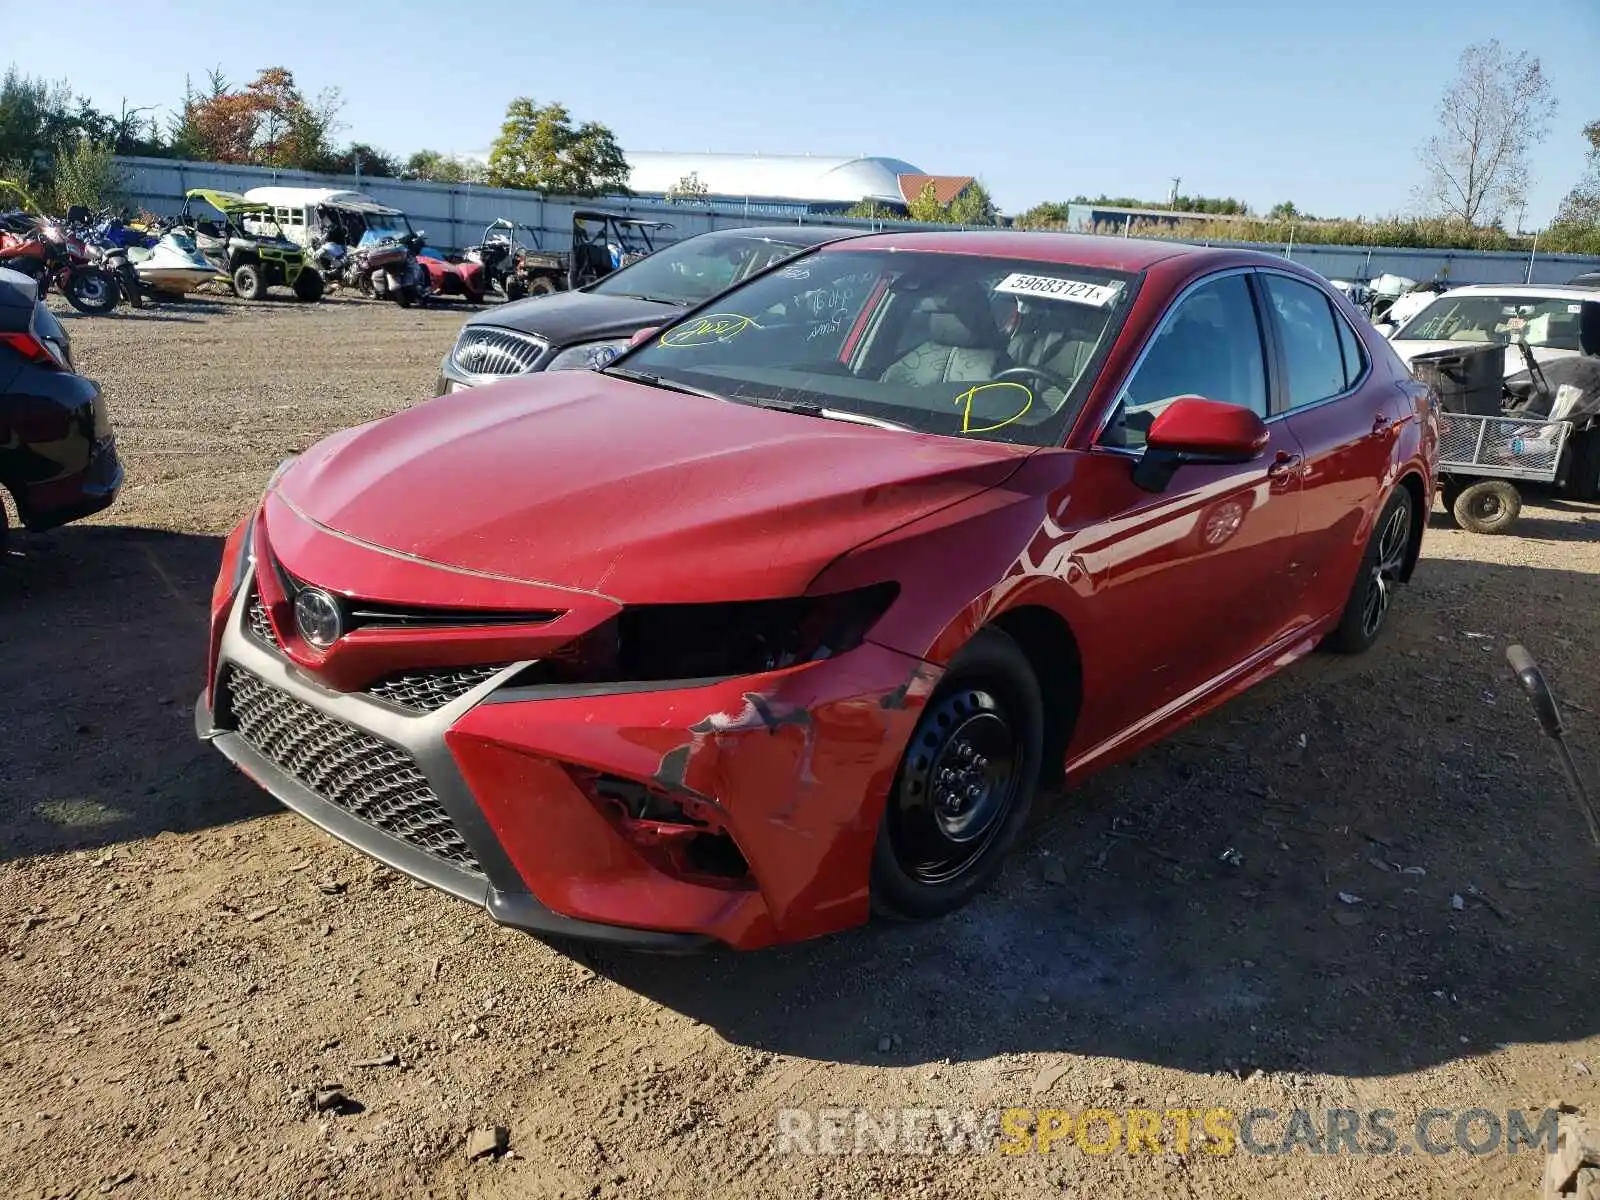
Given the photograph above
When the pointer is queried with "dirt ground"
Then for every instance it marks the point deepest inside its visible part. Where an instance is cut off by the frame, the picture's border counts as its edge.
(184, 965)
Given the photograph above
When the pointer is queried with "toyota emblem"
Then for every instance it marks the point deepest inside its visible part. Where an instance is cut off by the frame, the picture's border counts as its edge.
(317, 617)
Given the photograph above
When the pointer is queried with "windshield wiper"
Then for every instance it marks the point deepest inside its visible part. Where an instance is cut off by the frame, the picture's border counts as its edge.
(651, 299)
(656, 381)
(832, 414)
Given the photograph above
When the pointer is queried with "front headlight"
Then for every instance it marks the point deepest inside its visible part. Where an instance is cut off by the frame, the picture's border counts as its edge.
(588, 356)
(663, 642)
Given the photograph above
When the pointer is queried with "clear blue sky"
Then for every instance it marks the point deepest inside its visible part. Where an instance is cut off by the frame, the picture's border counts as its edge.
(1319, 103)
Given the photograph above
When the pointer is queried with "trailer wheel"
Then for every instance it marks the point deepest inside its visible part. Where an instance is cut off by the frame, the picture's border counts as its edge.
(1487, 506)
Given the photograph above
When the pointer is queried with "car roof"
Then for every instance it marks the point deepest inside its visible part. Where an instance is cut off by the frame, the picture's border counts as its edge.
(1076, 249)
(1533, 291)
(794, 235)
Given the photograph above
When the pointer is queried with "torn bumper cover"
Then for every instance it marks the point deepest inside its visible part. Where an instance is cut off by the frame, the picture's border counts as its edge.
(660, 816)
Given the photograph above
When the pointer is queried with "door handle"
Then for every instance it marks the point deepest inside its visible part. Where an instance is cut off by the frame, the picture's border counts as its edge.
(1285, 467)
(1380, 423)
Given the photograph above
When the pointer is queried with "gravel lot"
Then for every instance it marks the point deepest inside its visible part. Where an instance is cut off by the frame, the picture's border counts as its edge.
(184, 967)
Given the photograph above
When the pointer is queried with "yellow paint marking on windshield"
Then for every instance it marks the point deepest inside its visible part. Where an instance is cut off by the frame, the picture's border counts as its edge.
(967, 397)
(713, 327)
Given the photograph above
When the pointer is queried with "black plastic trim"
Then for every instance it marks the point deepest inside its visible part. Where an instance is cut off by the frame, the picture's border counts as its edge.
(516, 909)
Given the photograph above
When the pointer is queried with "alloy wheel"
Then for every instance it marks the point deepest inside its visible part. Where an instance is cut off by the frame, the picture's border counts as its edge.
(1384, 572)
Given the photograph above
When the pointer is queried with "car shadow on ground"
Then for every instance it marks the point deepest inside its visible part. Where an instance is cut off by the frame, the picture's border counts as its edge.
(104, 635)
(1185, 909)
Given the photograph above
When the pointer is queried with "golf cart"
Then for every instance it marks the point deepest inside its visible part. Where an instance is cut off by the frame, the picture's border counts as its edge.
(242, 238)
(1540, 425)
(602, 242)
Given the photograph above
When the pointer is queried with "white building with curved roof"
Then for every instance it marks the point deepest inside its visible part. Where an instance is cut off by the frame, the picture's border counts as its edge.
(808, 178)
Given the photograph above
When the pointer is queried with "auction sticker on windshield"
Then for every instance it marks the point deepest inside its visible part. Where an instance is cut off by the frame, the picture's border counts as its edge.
(1050, 288)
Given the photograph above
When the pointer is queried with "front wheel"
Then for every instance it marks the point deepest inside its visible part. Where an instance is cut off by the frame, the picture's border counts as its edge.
(308, 286)
(247, 283)
(1384, 562)
(91, 291)
(965, 783)
(515, 289)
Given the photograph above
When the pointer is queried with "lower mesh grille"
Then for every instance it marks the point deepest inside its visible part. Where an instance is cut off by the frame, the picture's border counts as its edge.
(368, 778)
(260, 624)
(425, 691)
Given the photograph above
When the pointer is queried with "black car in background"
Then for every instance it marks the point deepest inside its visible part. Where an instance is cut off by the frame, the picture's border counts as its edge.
(585, 328)
(58, 458)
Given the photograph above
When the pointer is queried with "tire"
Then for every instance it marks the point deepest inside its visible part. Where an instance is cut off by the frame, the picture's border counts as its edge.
(247, 283)
(982, 730)
(515, 289)
(128, 281)
(1487, 506)
(308, 286)
(1449, 489)
(1388, 550)
(92, 292)
(406, 296)
(542, 285)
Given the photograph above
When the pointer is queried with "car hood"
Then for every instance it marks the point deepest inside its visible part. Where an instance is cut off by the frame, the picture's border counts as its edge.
(562, 318)
(584, 481)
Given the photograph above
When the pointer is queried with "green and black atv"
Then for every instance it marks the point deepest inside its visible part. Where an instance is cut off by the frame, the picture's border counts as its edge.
(241, 238)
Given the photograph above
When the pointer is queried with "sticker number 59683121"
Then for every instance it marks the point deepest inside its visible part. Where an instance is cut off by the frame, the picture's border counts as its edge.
(1048, 287)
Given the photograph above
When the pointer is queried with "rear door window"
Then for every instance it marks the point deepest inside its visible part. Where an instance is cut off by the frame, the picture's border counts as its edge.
(1314, 356)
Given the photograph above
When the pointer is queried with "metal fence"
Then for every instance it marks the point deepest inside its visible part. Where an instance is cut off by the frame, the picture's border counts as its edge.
(454, 216)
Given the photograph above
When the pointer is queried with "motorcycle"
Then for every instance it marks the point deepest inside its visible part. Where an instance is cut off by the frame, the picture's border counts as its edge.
(40, 249)
(107, 241)
(384, 266)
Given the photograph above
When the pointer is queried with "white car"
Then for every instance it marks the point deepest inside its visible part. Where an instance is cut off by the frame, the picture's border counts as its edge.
(1545, 316)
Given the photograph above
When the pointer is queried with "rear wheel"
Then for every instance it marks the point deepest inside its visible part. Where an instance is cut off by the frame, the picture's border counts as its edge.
(1488, 506)
(541, 285)
(965, 783)
(1388, 551)
(247, 283)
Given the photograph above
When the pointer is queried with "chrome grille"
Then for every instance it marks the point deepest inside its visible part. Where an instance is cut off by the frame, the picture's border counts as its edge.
(260, 624)
(425, 691)
(1519, 443)
(370, 779)
(486, 350)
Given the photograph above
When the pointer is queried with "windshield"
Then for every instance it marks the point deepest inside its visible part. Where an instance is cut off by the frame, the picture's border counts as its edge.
(956, 344)
(384, 225)
(258, 222)
(1504, 319)
(695, 269)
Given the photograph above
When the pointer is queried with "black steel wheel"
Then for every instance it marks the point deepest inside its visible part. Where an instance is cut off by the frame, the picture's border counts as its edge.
(965, 783)
(1487, 506)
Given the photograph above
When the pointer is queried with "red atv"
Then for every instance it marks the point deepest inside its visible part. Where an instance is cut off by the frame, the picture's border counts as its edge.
(450, 278)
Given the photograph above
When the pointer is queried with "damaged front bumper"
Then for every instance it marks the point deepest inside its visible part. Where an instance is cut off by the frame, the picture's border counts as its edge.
(662, 817)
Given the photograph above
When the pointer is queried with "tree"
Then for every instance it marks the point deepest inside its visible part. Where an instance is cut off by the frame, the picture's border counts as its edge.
(973, 206)
(1283, 211)
(442, 168)
(1052, 214)
(1580, 208)
(925, 205)
(539, 150)
(85, 172)
(688, 190)
(269, 123)
(1491, 116)
(360, 158)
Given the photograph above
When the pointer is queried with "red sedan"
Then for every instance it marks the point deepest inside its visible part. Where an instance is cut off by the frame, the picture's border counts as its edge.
(785, 616)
